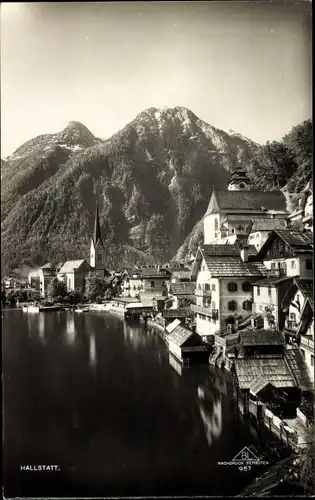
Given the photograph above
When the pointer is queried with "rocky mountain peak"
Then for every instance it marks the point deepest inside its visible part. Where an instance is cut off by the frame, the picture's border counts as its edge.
(76, 133)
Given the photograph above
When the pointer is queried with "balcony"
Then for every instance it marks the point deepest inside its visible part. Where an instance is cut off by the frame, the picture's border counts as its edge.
(202, 293)
(212, 313)
(307, 342)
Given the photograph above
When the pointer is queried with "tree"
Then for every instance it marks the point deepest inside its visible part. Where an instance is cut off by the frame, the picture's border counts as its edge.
(57, 288)
(95, 286)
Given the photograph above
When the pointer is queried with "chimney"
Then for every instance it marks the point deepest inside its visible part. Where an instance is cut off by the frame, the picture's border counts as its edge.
(244, 252)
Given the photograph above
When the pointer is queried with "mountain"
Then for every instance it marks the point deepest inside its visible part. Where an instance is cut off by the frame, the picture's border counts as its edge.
(152, 181)
(285, 165)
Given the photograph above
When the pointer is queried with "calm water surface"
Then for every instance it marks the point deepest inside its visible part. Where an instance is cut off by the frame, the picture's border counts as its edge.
(105, 402)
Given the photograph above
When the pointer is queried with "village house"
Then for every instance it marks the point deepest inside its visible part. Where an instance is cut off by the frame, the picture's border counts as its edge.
(224, 276)
(132, 283)
(298, 306)
(306, 333)
(230, 212)
(40, 279)
(73, 273)
(182, 294)
(260, 229)
(289, 252)
(261, 362)
(268, 295)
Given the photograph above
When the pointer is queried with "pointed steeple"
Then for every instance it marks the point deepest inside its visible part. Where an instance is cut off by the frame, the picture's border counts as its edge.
(97, 237)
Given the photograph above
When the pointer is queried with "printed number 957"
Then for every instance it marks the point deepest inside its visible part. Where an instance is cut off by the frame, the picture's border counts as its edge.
(245, 467)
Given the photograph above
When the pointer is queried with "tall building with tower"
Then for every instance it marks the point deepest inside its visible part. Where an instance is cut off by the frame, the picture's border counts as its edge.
(97, 250)
(231, 212)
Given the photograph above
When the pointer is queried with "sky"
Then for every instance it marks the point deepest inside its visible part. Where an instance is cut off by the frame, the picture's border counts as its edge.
(244, 66)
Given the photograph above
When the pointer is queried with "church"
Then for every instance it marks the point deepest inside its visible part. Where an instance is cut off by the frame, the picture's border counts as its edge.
(73, 272)
(231, 212)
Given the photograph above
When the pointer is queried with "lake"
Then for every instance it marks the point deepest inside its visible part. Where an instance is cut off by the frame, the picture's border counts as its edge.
(106, 403)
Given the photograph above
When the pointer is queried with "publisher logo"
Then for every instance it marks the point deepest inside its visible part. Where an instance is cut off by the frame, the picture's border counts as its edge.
(245, 460)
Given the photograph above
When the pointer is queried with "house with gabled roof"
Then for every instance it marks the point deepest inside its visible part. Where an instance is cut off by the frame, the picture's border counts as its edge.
(73, 273)
(224, 275)
(288, 251)
(229, 212)
(268, 296)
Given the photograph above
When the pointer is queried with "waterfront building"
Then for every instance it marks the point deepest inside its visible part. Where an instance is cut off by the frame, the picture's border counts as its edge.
(40, 279)
(182, 294)
(261, 361)
(73, 273)
(185, 344)
(230, 212)
(224, 296)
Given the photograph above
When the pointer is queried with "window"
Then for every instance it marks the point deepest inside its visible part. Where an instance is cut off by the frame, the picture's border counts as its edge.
(213, 288)
(232, 231)
(246, 286)
(213, 305)
(302, 352)
(292, 264)
(258, 291)
(242, 185)
(207, 286)
(247, 305)
(232, 287)
(199, 286)
(273, 265)
(292, 316)
(269, 291)
(152, 284)
(308, 265)
(232, 305)
(216, 224)
(312, 360)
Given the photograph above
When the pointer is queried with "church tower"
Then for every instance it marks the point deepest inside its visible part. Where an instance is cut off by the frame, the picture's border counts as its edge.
(97, 250)
(239, 180)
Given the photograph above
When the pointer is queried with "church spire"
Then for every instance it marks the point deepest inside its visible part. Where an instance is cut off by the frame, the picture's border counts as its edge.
(97, 237)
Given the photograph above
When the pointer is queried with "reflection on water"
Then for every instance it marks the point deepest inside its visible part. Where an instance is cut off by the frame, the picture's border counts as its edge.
(92, 352)
(210, 406)
(105, 401)
(70, 329)
(41, 326)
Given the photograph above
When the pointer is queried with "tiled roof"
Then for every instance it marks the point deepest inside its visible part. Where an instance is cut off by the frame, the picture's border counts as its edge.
(306, 288)
(246, 200)
(184, 288)
(183, 312)
(221, 250)
(181, 274)
(296, 239)
(71, 265)
(151, 272)
(299, 369)
(266, 224)
(260, 337)
(180, 335)
(275, 370)
(272, 281)
(234, 266)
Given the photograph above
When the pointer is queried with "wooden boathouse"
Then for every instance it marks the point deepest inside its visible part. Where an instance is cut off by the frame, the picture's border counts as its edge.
(186, 345)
